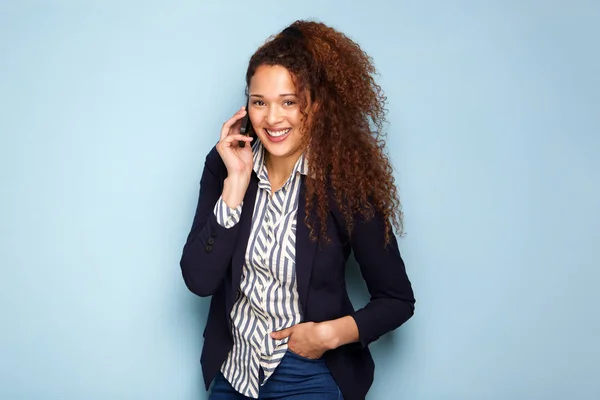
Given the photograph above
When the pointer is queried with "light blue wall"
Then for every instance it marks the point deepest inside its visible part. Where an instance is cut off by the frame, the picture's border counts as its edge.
(107, 110)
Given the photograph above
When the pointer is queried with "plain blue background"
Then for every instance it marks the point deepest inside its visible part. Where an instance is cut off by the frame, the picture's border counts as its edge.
(107, 110)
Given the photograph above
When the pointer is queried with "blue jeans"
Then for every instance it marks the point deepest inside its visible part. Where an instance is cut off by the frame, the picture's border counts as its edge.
(296, 378)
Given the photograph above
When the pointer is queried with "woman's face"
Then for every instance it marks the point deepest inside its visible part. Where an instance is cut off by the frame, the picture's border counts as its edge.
(274, 111)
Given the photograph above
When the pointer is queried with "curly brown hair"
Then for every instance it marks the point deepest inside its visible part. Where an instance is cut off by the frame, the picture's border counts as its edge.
(345, 139)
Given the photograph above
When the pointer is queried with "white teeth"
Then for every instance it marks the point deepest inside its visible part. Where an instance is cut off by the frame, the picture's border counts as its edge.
(278, 133)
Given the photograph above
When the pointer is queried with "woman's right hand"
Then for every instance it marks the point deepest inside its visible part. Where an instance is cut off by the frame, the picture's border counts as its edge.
(238, 160)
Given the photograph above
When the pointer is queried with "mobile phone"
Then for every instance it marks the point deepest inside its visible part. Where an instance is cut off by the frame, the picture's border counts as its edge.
(246, 125)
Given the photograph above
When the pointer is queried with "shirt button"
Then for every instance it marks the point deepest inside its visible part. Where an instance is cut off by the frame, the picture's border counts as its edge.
(208, 248)
(211, 241)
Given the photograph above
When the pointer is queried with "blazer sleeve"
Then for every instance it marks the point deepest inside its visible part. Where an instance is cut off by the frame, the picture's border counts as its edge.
(392, 300)
(209, 246)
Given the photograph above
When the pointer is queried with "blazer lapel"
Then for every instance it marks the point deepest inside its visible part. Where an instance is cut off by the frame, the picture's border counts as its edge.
(305, 248)
(237, 260)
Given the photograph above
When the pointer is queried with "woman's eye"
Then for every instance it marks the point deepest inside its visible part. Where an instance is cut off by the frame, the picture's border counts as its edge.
(289, 103)
(258, 102)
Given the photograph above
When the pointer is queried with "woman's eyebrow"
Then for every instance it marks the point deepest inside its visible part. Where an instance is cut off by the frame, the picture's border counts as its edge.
(281, 95)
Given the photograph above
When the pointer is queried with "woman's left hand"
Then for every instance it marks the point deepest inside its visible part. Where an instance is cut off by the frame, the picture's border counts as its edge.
(308, 339)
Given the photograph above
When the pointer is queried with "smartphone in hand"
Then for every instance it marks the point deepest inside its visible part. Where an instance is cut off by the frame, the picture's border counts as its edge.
(246, 125)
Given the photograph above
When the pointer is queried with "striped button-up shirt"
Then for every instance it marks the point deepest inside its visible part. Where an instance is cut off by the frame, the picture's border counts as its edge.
(268, 297)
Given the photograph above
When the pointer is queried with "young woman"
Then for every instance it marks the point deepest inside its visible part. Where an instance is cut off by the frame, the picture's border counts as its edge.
(278, 214)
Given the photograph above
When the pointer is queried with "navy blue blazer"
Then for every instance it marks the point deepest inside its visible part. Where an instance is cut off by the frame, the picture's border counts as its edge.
(212, 262)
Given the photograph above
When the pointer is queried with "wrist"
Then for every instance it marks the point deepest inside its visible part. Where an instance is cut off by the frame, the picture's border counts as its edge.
(238, 178)
(339, 332)
(234, 190)
(329, 335)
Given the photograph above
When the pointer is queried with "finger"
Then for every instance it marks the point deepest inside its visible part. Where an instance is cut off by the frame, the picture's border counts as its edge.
(278, 335)
(236, 138)
(236, 127)
(229, 123)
